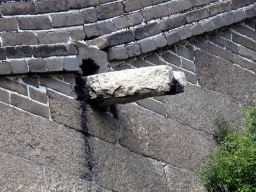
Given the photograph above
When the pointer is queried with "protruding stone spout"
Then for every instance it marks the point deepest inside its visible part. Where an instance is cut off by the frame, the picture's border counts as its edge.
(134, 84)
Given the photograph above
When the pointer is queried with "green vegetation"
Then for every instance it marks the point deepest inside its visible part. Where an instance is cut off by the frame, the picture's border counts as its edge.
(232, 167)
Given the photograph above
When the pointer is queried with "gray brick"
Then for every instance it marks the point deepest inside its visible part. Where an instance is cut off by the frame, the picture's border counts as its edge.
(2, 54)
(184, 52)
(13, 86)
(184, 33)
(153, 105)
(172, 22)
(146, 31)
(245, 31)
(89, 15)
(245, 63)
(5, 68)
(155, 2)
(37, 66)
(160, 41)
(201, 2)
(147, 45)
(4, 96)
(196, 29)
(54, 64)
(226, 34)
(109, 10)
(50, 50)
(190, 77)
(78, 4)
(229, 18)
(37, 95)
(19, 66)
(238, 3)
(181, 5)
(171, 58)
(19, 51)
(218, 22)
(197, 15)
(30, 106)
(133, 50)
(78, 35)
(121, 22)
(140, 63)
(172, 37)
(53, 37)
(217, 40)
(239, 15)
(8, 24)
(71, 64)
(122, 67)
(220, 52)
(201, 43)
(135, 18)
(244, 41)
(132, 5)
(49, 6)
(217, 8)
(72, 49)
(106, 27)
(154, 59)
(117, 53)
(66, 20)
(146, 3)
(91, 31)
(37, 23)
(19, 8)
(232, 47)
(207, 26)
(247, 53)
(23, 38)
(155, 12)
(70, 79)
(120, 38)
(57, 86)
(31, 81)
(251, 24)
(189, 65)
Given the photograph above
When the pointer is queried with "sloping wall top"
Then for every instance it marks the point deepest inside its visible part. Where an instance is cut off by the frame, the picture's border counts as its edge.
(35, 35)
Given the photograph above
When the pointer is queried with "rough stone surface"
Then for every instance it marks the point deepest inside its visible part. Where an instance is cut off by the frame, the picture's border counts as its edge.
(20, 175)
(19, 52)
(133, 50)
(43, 142)
(181, 179)
(198, 108)
(84, 118)
(117, 53)
(19, 8)
(109, 10)
(60, 181)
(53, 37)
(165, 140)
(132, 171)
(133, 84)
(221, 76)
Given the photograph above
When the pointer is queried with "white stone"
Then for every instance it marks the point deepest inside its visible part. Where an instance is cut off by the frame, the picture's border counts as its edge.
(134, 84)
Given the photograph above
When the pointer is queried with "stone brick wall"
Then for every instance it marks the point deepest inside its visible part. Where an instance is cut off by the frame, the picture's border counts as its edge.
(51, 140)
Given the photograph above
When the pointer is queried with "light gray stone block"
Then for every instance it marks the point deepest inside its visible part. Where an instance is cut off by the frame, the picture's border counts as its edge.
(133, 84)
